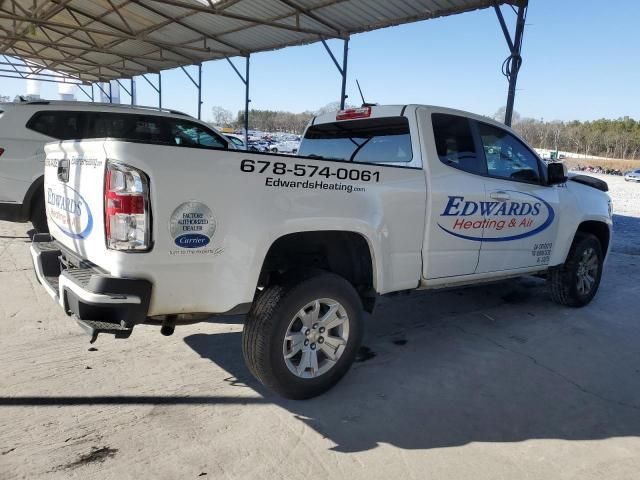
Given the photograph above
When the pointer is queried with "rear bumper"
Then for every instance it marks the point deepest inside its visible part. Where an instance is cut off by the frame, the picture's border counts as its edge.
(13, 212)
(101, 303)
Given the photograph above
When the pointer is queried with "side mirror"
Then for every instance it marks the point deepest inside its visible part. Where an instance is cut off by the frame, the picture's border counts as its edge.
(556, 173)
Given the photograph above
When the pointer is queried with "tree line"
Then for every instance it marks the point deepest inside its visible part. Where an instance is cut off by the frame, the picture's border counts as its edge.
(269, 120)
(601, 138)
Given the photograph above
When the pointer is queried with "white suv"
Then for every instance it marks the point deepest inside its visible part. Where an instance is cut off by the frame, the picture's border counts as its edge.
(25, 128)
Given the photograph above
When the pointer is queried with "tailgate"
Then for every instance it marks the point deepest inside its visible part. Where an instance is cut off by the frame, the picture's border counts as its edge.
(74, 195)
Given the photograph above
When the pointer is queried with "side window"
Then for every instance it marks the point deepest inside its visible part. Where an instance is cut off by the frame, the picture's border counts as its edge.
(454, 143)
(127, 126)
(191, 134)
(59, 125)
(236, 141)
(506, 156)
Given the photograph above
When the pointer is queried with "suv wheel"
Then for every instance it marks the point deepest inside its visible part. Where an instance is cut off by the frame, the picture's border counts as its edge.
(576, 282)
(38, 213)
(300, 338)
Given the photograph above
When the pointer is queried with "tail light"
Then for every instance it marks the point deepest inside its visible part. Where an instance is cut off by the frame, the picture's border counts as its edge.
(126, 208)
(351, 113)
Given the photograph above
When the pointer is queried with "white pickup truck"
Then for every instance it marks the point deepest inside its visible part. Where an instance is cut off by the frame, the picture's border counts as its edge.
(380, 199)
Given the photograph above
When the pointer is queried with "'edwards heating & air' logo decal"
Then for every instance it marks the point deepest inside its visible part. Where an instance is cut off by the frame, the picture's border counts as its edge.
(69, 211)
(496, 221)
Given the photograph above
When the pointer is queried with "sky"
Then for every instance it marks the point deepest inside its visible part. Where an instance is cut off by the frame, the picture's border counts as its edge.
(581, 61)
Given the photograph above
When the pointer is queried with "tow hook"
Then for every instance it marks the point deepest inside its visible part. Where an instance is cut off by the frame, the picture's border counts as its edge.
(168, 325)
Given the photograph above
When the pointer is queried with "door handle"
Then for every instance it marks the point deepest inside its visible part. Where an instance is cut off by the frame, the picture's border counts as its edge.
(500, 196)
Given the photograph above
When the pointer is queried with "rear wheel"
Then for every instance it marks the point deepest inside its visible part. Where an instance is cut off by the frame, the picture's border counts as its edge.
(576, 282)
(301, 337)
(38, 213)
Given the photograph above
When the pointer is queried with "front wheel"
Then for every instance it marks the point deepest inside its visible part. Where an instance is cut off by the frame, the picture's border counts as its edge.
(301, 337)
(576, 282)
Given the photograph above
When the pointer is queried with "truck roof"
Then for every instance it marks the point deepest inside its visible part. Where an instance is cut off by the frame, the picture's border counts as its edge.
(380, 111)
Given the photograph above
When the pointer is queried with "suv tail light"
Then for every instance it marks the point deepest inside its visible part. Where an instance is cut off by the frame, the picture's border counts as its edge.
(351, 113)
(126, 208)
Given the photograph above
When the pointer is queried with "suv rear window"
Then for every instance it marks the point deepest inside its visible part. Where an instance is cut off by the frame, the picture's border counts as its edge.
(374, 140)
(60, 125)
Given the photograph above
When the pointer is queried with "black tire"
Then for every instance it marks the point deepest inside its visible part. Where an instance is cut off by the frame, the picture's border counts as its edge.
(267, 324)
(38, 213)
(563, 280)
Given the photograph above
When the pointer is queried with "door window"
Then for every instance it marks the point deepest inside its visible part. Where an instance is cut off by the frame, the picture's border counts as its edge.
(454, 143)
(507, 157)
(190, 134)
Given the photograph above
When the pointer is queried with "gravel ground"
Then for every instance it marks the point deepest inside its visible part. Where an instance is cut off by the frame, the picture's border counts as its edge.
(626, 209)
(487, 382)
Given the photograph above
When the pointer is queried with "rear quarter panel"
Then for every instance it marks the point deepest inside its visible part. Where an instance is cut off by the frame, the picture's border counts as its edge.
(250, 211)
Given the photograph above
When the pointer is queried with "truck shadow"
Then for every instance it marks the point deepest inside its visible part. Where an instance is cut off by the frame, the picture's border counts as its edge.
(626, 232)
(505, 366)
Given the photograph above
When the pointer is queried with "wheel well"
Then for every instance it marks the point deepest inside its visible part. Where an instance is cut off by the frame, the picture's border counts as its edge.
(35, 190)
(599, 229)
(344, 253)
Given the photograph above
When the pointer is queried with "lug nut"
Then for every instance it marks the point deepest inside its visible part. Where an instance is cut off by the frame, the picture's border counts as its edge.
(307, 332)
(313, 346)
(315, 325)
(306, 342)
(321, 340)
(321, 330)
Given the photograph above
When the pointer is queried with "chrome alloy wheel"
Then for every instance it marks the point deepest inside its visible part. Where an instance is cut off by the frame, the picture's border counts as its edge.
(316, 338)
(587, 271)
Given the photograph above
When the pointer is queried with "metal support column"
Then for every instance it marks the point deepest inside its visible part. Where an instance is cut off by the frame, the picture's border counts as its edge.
(158, 88)
(110, 93)
(93, 98)
(198, 85)
(341, 68)
(128, 92)
(512, 64)
(133, 92)
(247, 100)
(90, 97)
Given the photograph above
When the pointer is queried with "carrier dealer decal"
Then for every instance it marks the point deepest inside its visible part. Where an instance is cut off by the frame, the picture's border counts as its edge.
(496, 221)
(192, 226)
(69, 211)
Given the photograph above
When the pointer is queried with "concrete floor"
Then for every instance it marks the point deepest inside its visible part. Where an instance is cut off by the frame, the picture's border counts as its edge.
(487, 382)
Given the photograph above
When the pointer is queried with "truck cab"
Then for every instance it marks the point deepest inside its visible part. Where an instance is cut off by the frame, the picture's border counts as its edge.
(379, 199)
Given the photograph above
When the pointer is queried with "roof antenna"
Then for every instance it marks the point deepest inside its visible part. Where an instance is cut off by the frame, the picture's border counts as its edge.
(364, 102)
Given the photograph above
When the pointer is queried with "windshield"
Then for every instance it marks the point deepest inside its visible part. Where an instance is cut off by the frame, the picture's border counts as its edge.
(373, 140)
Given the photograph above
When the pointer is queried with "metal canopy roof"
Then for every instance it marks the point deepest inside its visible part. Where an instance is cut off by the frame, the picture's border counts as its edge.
(98, 40)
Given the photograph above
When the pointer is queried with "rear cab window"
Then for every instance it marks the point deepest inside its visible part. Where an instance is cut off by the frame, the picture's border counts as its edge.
(384, 140)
